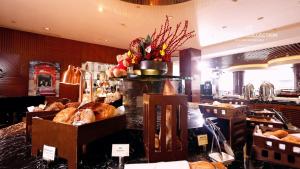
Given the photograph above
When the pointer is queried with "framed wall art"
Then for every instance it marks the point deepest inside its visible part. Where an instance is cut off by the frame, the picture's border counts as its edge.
(43, 78)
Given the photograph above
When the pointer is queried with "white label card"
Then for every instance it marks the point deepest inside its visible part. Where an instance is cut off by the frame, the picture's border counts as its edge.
(281, 146)
(120, 150)
(202, 140)
(296, 150)
(48, 153)
(269, 143)
(223, 112)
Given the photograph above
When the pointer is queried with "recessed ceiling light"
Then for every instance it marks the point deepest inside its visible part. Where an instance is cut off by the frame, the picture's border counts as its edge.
(260, 18)
(47, 28)
(224, 27)
(106, 40)
(100, 8)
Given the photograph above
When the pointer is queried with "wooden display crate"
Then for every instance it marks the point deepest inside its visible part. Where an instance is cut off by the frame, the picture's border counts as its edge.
(236, 111)
(155, 104)
(41, 114)
(252, 121)
(231, 120)
(276, 151)
(68, 139)
(261, 113)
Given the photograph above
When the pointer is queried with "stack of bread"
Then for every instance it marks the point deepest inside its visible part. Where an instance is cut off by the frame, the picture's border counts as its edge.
(55, 106)
(283, 135)
(89, 113)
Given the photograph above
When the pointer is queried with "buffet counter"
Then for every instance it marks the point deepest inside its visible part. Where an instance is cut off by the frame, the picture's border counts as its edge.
(288, 106)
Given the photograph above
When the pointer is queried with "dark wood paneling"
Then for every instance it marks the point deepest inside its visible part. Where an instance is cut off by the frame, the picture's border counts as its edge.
(17, 48)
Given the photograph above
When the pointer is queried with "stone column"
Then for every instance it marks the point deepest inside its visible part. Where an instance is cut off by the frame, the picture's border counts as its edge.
(296, 68)
(186, 68)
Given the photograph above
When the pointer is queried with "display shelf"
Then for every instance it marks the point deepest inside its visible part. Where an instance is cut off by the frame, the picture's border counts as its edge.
(133, 88)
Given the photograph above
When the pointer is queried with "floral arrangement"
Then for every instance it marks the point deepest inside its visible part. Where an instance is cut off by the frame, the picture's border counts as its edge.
(159, 46)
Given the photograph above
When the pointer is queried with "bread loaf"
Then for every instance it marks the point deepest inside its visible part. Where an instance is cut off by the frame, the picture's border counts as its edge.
(104, 111)
(65, 116)
(87, 116)
(277, 133)
(218, 165)
(201, 165)
(55, 106)
(291, 139)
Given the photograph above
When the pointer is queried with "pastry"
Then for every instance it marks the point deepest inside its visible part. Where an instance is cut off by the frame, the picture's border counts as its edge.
(291, 139)
(55, 106)
(277, 133)
(65, 116)
(201, 165)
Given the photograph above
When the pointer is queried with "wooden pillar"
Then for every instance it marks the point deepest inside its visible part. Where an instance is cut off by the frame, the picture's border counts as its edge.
(238, 82)
(186, 68)
(297, 76)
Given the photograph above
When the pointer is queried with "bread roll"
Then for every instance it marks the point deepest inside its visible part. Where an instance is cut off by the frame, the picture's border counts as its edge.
(291, 139)
(55, 106)
(65, 115)
(201, 165)
(278, 133)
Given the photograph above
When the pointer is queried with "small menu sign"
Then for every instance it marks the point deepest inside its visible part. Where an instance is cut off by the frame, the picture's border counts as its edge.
(120, 150)
(202, 139)
(48, 153)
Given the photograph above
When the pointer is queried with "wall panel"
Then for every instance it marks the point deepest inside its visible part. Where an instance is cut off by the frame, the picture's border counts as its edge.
(17, 48)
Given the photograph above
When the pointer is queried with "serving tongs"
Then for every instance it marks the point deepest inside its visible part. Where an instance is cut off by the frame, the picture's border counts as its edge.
(285, 122)
(217, 138)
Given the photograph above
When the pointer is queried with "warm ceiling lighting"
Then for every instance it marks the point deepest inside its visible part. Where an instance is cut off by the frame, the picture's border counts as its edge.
(47, 29)
(100, 8)
(155, 2)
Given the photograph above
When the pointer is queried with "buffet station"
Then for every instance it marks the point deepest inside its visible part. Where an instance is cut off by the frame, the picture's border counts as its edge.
(135, 111)
(136, 114)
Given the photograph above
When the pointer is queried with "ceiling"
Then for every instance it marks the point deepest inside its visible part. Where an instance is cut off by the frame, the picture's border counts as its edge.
(257, 58)
(115, 23)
